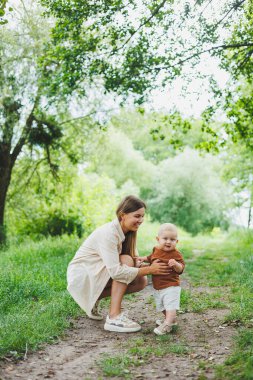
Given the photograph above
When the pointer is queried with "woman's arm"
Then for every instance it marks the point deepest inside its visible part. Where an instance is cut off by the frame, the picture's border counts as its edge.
(155, 268)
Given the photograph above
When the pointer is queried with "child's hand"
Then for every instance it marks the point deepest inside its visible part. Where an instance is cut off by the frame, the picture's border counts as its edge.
(172, 262)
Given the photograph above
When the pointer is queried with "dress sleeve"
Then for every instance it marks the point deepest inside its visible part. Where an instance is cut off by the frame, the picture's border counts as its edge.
(109, 253)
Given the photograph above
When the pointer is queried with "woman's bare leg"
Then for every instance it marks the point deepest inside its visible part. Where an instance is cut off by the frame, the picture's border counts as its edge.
(118, 289)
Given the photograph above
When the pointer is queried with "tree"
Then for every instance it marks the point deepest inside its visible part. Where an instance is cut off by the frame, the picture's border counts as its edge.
(129, 45)
(74, 204)
(29, 123)
(188, 191)
(237, 170)
(236, 99)
(124, 47)
(24, 122)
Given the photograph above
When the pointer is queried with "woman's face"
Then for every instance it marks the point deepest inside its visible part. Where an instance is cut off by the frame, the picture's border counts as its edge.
(132, 220)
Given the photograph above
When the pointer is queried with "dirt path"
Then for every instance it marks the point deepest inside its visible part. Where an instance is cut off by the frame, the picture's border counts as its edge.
(75, 357)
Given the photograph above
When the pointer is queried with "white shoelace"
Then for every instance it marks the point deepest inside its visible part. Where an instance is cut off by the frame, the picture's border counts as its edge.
(124, 317)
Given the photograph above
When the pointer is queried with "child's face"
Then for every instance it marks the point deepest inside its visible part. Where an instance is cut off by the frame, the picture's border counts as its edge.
(167, 240)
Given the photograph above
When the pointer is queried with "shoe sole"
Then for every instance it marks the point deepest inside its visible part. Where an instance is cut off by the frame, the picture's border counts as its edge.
(96, 318)
(115, 328)
(158, 332)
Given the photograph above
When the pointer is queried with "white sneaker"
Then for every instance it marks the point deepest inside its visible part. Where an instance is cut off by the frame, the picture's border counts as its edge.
(163, 329)
(121, 324)
(95, 314)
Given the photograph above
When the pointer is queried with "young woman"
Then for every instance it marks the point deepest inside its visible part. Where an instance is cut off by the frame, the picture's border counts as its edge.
(104, 266)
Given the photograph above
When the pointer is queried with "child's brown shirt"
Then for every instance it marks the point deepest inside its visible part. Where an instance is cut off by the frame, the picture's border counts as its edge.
(170, 279)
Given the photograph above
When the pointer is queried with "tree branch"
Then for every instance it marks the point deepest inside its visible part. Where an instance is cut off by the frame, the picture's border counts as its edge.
(231, 46)
(85, 116)
(52, 166)
(27, 182)
(157, 9)
(27, 128)
(235, 6)
(245, 60)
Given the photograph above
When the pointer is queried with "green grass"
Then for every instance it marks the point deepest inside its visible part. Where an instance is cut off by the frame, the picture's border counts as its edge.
(138, 353)
(197, 302)
(226, 261)
(240, 364)
(35, 306)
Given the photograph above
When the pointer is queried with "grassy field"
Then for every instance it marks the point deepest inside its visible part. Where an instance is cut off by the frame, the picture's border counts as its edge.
(36, 308)
(34, 304)
(227, 260)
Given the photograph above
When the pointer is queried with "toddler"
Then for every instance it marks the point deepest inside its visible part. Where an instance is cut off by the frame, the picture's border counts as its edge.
(166, 287)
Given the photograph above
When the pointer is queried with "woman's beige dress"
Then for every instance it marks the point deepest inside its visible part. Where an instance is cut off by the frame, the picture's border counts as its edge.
(95, 262)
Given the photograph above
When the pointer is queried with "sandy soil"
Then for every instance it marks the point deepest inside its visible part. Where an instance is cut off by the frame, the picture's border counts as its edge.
(75, 356)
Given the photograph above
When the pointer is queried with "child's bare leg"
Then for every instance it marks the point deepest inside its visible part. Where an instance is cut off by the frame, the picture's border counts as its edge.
(170, 316)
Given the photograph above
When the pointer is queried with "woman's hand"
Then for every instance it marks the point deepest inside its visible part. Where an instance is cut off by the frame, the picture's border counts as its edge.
(138, 260)
(157, 267)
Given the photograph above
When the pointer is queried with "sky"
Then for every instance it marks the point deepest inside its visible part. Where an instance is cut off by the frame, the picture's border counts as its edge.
(197, 98)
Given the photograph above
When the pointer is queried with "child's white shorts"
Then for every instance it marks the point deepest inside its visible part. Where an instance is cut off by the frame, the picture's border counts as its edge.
(168, 298)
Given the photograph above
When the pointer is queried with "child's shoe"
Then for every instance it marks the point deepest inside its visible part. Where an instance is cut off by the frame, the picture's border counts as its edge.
(95, 314)
(163, 329)
(159, 322)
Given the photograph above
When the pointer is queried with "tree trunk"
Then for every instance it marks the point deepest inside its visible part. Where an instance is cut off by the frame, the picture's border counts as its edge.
(6, 166)
(8, 159)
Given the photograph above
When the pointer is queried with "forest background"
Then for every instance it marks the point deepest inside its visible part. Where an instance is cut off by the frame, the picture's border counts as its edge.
(78, 130)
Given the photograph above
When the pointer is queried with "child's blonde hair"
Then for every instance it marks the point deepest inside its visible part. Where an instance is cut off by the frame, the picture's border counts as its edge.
(167, 227)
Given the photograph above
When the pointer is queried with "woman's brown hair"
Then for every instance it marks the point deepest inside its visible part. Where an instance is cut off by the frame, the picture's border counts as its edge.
(127, 205)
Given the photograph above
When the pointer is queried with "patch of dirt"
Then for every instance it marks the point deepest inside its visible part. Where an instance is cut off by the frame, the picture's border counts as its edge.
(75, 356)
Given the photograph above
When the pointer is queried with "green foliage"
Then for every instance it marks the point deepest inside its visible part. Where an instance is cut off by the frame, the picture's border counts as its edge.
(121, 161)
(239, 107)
(158, 135)
(187, 191)
(3, 6)
(236, 98)
(129, 45)
(73, 203)
(239, 60)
